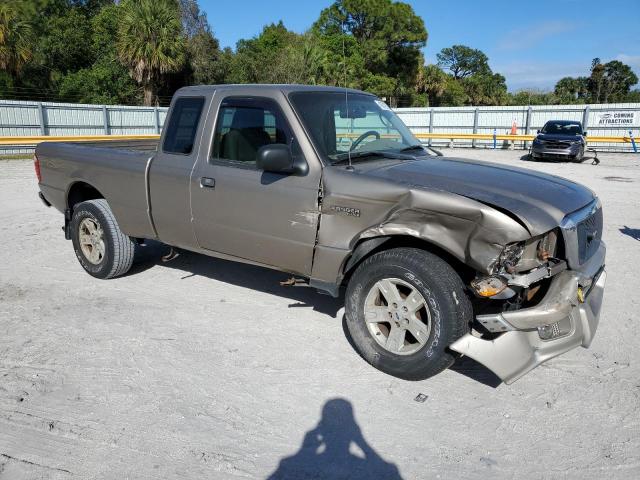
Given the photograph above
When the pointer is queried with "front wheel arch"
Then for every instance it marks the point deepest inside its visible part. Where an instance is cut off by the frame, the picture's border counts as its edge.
(370, 246)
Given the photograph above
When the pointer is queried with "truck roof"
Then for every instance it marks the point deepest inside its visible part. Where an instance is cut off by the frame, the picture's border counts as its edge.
(285, 88)
(564, 122)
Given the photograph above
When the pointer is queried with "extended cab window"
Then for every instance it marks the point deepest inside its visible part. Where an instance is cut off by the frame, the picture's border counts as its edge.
(244, 125)
(183, 124)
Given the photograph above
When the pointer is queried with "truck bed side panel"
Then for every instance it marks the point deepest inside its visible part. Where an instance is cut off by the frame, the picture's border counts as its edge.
(118, 174)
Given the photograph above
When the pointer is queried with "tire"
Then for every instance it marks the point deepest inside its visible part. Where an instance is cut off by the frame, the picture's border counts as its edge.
(448, 317)
(108, 252)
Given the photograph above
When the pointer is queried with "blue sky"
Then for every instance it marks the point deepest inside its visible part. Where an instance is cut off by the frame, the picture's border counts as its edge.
(532, 45)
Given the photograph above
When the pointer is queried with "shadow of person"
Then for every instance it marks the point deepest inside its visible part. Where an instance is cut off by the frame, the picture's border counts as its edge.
(631, 232)
(335, 449)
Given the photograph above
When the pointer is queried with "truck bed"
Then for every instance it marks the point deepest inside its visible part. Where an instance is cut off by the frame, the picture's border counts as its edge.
(117, 169)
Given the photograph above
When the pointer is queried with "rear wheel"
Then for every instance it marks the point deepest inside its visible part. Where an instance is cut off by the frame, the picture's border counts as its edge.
(404, 307)
(101, 247)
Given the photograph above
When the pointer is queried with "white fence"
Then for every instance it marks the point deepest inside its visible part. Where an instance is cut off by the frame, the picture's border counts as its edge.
(601, 120)
(18, 118)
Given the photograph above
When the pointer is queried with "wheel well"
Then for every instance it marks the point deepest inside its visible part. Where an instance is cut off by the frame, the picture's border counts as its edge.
(362, 251)
(81, 192)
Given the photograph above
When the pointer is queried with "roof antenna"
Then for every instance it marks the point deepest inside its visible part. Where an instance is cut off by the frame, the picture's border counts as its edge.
(346, 93)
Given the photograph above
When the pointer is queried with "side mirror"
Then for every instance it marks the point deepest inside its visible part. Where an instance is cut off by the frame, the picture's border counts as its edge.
(584, 134)
(538, 131)
(277, 158)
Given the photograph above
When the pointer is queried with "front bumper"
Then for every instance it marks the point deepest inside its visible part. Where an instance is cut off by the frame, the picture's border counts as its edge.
(521, 349)
(543, 151)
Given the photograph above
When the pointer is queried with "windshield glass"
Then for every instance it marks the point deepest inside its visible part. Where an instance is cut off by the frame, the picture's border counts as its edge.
(357, 123)
(562, 128)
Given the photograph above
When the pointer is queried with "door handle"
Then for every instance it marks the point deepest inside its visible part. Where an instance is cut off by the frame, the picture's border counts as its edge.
(207, 182)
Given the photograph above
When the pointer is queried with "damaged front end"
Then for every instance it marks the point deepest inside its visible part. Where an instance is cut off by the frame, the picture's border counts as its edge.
(537, 273)
(542, 299)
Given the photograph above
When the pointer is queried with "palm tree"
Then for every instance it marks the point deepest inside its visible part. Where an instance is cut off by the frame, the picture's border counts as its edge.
(16, 40)
(151, 42)
(432, 81)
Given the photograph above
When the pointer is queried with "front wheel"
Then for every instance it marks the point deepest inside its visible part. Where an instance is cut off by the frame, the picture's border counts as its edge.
(101, 247)
(404, 307)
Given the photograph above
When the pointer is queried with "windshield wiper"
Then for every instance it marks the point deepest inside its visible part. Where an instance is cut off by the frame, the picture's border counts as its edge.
(412, 147)
(358, 156)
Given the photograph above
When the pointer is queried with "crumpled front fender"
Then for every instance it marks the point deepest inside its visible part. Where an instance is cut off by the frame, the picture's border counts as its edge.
(352, 211)
(471, 231)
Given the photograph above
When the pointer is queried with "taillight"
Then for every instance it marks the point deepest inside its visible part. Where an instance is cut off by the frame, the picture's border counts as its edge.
(36, 165)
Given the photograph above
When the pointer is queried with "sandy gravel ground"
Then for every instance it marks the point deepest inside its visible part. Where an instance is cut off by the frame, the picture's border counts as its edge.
(202, 368)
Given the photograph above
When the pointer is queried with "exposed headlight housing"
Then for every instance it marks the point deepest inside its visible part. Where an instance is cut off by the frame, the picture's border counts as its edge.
(510, 256)
(524, 256)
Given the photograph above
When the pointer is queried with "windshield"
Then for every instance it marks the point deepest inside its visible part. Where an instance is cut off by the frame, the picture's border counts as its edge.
(357, 123)
(562, 128)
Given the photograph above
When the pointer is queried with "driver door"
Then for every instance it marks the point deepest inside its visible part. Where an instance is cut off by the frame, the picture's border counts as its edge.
(238, 210)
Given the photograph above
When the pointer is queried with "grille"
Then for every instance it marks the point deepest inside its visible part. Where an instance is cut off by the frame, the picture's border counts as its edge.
(556, 145)
(589, 235)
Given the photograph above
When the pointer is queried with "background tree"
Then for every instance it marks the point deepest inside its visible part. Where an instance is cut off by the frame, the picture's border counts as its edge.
(609, 82)
(485, 89)
(595, 81)
(202, 64)
(16, 40)
(194, 21)
(470, 81)
(571, 90)
(66, 46)
(463, 61)
(618, 80)
(203, 51)
(532, 97)
(386, 48)
(106, 81)
(150, 42)
(454, 94)
(259, 59)
(133, 51)
(432, 81)
(633, 96)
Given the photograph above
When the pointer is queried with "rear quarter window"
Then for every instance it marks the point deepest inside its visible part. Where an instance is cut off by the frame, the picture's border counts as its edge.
(183, 125)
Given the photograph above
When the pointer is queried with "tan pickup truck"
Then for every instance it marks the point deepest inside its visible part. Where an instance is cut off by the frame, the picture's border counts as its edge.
(437, 257)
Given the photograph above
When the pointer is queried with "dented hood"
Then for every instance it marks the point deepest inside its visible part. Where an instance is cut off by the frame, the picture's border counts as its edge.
(539, 200)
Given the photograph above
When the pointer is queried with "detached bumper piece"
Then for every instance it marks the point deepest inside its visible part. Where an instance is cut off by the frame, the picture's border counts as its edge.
(567, 317)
